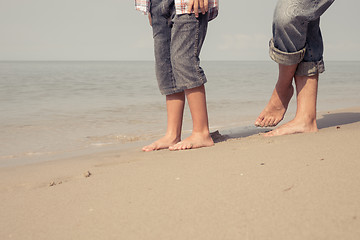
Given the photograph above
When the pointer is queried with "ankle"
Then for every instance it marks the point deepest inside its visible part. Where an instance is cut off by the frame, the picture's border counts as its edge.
(306, 119)
(202, 133)
(172, 136)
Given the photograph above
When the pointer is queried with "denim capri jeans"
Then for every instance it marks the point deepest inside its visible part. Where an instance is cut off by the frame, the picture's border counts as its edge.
(177, 43)
(296, 35)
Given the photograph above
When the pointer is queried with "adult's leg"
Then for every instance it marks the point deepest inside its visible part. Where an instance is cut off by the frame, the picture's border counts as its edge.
(289, 36)
(296, 39)
(305, 118)
(275, 110)
(306, 80)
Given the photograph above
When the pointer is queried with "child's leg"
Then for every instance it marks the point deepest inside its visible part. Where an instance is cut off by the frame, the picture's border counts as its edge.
(200, 136)
(305, 119)
(275, 110)
(188, 35)
(175, 108)
(161, 12)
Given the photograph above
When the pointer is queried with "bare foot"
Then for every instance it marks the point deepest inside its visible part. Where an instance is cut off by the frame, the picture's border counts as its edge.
(196, 140)
(294, 126)
(163, 143)
(275, 110)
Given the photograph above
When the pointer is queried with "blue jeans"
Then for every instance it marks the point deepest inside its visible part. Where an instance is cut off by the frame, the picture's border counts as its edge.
(296, 35)
(177, 43)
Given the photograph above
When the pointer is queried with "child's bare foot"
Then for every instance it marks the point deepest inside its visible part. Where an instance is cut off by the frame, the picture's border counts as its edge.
(294, 126)
(163, 143)
(275, 110)
(196, 140)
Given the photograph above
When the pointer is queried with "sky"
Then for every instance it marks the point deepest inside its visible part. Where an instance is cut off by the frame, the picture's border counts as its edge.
(98, 30)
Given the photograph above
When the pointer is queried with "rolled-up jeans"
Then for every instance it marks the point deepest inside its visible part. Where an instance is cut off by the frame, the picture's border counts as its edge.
(297, 37)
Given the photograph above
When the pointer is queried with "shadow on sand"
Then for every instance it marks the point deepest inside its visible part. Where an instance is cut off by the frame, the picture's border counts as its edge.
(335, 119)
(239, 132)
(327, 120)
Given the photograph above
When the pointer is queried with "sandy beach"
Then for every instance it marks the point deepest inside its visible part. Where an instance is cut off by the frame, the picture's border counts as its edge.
(302, 186)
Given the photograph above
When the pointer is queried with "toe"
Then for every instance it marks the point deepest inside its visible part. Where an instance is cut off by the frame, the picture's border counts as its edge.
(175, 147)
(258, 121)
(149, 148)
(272, 123)
(262, 123)
(265, 123)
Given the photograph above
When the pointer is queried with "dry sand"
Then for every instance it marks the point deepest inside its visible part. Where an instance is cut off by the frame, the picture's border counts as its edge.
(303, 186)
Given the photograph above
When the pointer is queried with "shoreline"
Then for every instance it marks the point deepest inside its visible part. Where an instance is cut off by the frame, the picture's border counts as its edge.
(56, 111)
(301, 186)
(233, 131)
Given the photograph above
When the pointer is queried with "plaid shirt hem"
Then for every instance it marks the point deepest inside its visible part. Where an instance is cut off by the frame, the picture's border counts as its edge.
(180, 5)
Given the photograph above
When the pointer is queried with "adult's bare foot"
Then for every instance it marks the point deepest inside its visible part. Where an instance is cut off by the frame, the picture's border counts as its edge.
(163, 143)
(196, 140)
(294, 126)
(275, 110)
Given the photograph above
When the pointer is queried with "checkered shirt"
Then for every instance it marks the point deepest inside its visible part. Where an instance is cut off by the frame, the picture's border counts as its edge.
(180, 5)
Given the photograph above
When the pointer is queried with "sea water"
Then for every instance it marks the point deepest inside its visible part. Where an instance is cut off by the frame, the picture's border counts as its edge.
(50, 110)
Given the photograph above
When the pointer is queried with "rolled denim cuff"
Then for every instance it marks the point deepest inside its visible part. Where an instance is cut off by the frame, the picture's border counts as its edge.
(310, 68)
(285, 58)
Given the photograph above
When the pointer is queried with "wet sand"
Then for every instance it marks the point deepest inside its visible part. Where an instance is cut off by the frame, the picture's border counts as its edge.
(302, 186)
